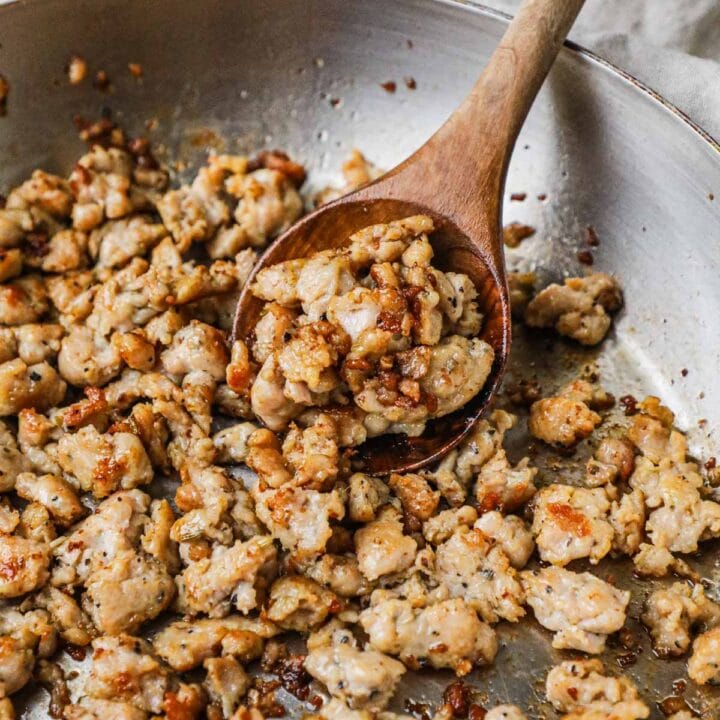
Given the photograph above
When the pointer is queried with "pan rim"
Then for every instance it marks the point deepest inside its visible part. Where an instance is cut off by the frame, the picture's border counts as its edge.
(590, 56)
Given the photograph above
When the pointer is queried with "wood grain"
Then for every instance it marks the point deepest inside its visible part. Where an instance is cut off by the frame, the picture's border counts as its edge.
(457, 177)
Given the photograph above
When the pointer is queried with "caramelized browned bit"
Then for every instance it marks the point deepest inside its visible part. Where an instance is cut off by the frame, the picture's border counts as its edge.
(410, 83)
(591, 237)
(673, 704)
(419, 710)
(136, 69)
(629, 404)
(101, 81)
(518, 197)
(515, 233)
(476, 712)
(585, 257)
(280, 161)
(627, 659)
(4, 93)
(390, 86)
(458, 696)
(292, 676)
(711, 463)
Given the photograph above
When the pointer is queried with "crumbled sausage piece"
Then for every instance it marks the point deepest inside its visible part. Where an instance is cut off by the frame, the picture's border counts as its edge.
(444, 634)
(670, 613)
(704, 663)
(382, 548)
(578, 685)
(580, 608)
(578, 309)
(362, 678)
(479, 572)
(571, 523)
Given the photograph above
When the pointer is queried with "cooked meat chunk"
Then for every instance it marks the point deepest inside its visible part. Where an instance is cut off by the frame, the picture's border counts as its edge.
(583, 685)
(38, 341)
(366, 495)
(185, 645)
(299, 518)
(382, 548)
(510, 534)
(614, 459)
(226, 683)
(230, 576)
(29, 386)
(73, 625)
(102, 464)
(479, 572)
(580, 608)
(53, 493)
(652, 561)
(445, 634)
(440, 527)
(87, 358)
(578, 309)
(116, 242)
(24, 636)
(500, 486)
(387, 242)
(362, 678)
(340, 573)
(23, 301)
(268, 399)
(300, 604)
(571, 523)
(115, 526)
(23, 565)
(232, 442)
(561, 420)
(313, 453)
(197, 346)
(125, 669)
(418, 499)
(671, 612)
(12, 461)
(133, 589)
(704, 663)
(627, 517)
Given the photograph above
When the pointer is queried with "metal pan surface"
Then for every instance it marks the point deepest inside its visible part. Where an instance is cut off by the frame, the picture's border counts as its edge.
(598, 149)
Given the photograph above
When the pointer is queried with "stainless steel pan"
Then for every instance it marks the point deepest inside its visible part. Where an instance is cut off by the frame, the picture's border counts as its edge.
(305, 76)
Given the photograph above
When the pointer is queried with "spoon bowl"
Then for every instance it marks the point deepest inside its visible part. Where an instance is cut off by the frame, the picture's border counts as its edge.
(328, 228)
(457, 178)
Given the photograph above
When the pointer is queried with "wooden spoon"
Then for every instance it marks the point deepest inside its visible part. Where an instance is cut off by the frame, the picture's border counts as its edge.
(457, 177)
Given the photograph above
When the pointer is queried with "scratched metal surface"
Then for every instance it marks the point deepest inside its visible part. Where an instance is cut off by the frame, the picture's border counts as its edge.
(305, 76)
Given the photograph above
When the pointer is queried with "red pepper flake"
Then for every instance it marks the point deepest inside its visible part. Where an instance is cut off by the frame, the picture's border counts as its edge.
(585, 257)
(591, 237)
(711, 463)
(136, 70)
(629, 404)
(410, 83)
(334, 102)
(542, 197)
(684, 372)
(390, 86)
(76, 652)
(518, 197)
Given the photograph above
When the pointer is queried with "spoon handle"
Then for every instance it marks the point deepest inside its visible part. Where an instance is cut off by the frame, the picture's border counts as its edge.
(460, 171)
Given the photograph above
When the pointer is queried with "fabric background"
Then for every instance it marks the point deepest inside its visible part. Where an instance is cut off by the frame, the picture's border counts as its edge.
(671, 45)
